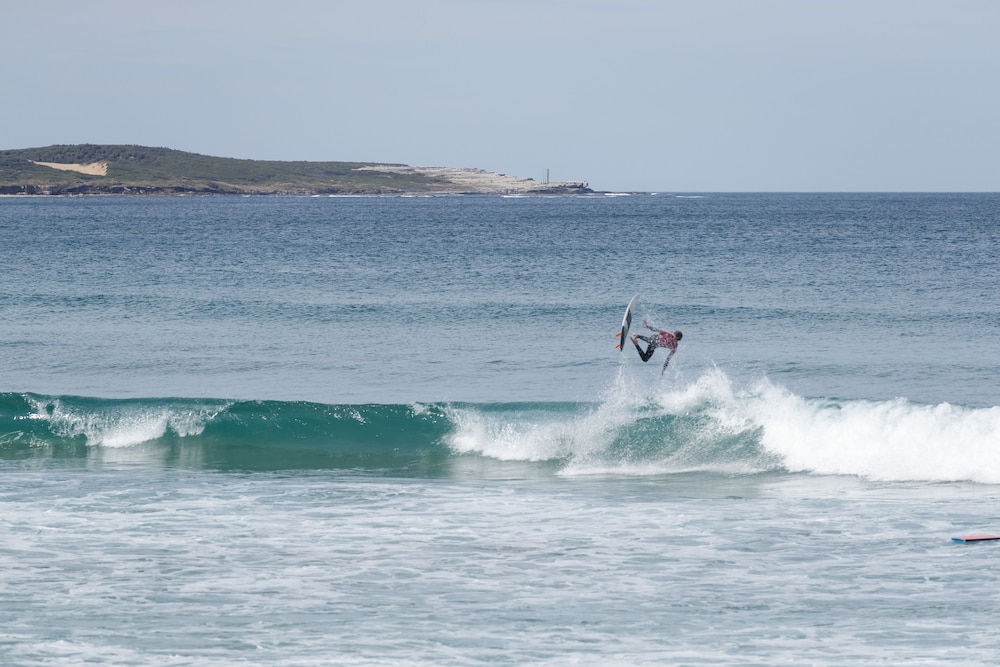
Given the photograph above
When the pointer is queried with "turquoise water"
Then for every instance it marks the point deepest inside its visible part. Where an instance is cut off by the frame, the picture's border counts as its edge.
(395, 430)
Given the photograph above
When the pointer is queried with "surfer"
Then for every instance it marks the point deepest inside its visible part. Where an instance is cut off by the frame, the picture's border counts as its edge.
(661, 339)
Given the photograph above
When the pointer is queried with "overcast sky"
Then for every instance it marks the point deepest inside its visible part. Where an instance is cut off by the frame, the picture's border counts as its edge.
(661, 95)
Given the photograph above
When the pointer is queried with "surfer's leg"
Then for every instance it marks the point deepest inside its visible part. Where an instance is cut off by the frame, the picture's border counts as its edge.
(649, 350)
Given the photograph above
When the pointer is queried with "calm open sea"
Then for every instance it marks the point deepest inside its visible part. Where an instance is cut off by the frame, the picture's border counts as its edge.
(396, 430)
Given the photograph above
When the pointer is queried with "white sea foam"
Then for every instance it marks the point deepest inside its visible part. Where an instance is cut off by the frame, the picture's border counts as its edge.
(880, 440)
(122, 425)
(501, 437)
(712, 425)
(892, 440)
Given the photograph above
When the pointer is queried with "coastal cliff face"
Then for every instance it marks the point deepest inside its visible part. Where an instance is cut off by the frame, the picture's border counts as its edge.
(136, 170)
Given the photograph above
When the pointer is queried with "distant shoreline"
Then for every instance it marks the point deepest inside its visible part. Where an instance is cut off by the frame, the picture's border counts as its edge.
(124, 170)
(260, 195)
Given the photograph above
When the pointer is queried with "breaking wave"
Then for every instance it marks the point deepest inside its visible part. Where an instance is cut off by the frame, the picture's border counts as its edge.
(707, 425)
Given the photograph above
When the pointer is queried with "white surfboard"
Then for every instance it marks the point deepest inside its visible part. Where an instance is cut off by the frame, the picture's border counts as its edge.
(626, 322)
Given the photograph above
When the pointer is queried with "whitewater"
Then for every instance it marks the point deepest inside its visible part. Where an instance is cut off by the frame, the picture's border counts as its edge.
(383, 430)
(706, 426)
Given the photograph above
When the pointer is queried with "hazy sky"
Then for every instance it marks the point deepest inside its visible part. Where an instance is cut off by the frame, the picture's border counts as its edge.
(662, 95)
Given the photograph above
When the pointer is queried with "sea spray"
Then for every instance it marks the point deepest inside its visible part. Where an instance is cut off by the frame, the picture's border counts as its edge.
(712, 425)
(629, 431)
(123, 423)
(672, 428)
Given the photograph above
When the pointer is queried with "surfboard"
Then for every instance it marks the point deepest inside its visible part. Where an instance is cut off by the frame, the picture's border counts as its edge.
(626, 323)
(975, 538)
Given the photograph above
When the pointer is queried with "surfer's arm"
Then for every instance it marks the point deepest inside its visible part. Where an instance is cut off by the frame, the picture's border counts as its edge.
(667, 362)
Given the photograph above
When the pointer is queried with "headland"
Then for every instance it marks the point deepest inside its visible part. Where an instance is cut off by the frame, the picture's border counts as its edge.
(104, 169)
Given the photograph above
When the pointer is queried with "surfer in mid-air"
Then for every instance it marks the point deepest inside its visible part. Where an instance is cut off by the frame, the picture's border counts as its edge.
(660, 339)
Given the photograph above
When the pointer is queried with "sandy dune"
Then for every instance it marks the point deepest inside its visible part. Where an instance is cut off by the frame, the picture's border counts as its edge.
(93, 169)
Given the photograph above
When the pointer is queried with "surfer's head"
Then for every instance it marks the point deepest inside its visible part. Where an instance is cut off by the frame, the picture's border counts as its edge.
(678, 335)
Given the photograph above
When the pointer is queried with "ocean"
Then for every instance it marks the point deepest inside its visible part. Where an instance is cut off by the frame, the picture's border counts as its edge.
(397, 430)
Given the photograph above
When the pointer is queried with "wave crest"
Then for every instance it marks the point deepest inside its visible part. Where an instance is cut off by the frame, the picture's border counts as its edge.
(122, 424)
(706, 425)
(710, 425)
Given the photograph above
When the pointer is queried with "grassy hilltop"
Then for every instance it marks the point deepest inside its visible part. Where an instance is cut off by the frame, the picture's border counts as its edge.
(118, 169)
